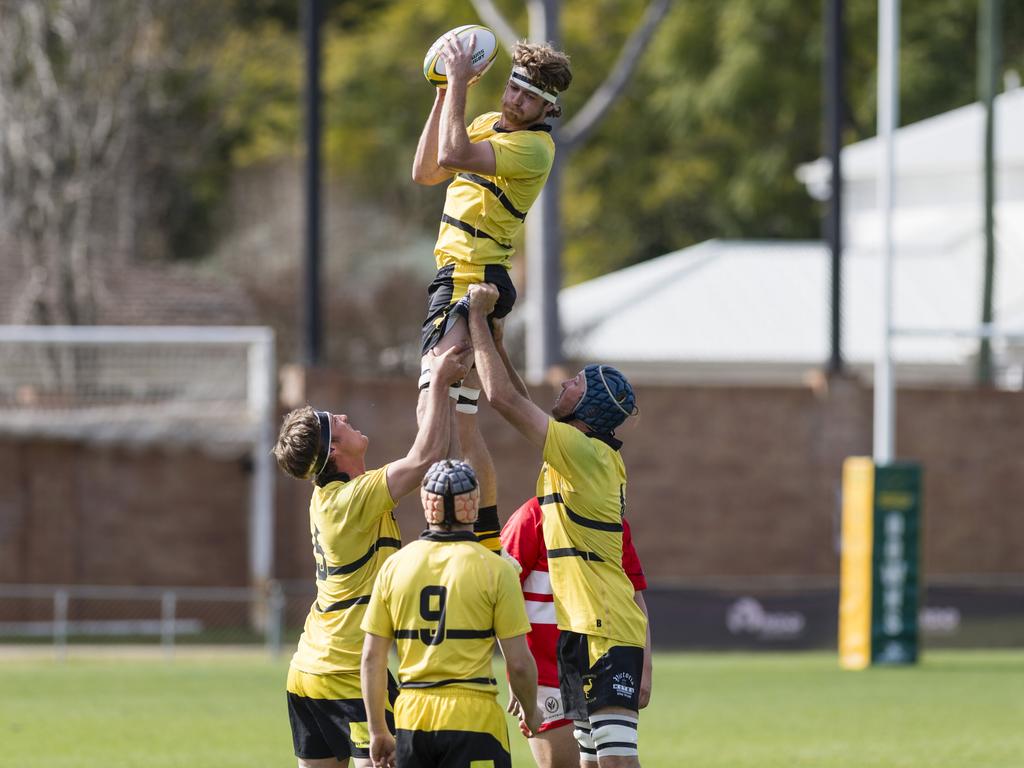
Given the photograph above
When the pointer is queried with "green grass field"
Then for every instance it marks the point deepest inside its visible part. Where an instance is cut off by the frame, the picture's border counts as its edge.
(957, 709)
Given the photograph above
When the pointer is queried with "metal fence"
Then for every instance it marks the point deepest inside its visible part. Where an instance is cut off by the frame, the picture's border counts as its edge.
(167, 617)
(743, 614)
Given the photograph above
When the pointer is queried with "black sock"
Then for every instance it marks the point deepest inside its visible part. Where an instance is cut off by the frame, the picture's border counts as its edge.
(488, 528)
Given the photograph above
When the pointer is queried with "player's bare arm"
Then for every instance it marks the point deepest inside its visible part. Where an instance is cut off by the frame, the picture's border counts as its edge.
(648, 674)
(455, 152)
(498, 329)
(522, 681)
(425, 169)
(519, 411)
(431, 444)
(374, 677)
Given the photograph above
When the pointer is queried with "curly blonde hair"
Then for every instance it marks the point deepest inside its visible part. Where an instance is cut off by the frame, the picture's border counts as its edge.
(548, 67)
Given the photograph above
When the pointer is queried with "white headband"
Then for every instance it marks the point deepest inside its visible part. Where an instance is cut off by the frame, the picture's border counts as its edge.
(521, 77)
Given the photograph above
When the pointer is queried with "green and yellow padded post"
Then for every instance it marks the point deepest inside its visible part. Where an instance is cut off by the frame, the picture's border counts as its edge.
(880, 565)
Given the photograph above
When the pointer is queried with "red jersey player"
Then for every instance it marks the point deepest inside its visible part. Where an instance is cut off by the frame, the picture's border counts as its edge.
(554, 745)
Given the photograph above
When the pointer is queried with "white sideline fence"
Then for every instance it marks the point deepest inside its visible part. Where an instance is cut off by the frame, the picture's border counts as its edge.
(165, 614)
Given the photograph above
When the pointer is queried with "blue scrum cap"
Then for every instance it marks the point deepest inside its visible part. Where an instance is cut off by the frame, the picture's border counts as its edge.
(607, 401)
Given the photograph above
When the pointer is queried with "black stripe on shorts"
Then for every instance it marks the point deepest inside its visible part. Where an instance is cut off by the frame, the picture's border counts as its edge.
(450, 681)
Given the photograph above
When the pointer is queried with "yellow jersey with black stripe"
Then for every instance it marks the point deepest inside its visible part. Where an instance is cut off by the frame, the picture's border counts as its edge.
(353, 527)
(483, 214)
(582, 492)
(444, 599)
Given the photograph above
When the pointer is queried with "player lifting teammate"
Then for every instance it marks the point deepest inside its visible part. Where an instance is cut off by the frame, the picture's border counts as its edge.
(497, 167)
(445, 599)
(353, 528)
(553, 745)
(582, 488)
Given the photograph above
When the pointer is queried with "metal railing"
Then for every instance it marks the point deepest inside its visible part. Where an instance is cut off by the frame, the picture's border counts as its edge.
(68, 614)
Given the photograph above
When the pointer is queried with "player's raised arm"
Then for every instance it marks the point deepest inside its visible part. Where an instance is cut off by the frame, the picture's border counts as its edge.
(425, 169)
(519, 411)
(455, 152)
(431, 442)
(498, 333)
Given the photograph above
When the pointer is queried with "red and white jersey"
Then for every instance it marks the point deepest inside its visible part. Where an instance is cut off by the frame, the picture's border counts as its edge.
(523, 538)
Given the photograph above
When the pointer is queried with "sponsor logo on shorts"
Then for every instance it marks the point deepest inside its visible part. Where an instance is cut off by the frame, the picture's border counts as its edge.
(549, 700)
(624, 685)
(588, 685)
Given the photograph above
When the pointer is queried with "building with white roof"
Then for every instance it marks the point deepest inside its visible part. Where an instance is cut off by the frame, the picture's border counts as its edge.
(758, 311)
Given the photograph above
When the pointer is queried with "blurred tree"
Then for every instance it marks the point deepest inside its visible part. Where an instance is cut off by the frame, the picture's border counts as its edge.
(721, 109)
(343, 14)
(728, 103)
(120, 119)
(100, 154)
(544, 228)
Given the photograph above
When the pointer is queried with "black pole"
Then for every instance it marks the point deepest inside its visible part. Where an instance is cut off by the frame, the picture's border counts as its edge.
(833, 97)
(311, 298)
(551, 202)
(989, 57)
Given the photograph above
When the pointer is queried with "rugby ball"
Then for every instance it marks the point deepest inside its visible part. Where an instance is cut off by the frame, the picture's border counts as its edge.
(484, 52)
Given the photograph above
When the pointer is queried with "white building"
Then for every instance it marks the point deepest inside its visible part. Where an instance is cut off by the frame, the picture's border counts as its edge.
(757, 311)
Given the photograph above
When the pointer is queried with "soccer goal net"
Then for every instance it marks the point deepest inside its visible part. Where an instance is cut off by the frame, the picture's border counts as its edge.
(198, 386)
(136, 384)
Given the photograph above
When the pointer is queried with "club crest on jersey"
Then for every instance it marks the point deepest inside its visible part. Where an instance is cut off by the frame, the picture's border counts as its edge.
(624, 685)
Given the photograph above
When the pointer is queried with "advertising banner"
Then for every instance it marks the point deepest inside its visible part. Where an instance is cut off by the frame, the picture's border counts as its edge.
(880, 564)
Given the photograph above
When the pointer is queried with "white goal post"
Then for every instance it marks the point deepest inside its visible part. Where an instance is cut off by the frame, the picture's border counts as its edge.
(193, 385)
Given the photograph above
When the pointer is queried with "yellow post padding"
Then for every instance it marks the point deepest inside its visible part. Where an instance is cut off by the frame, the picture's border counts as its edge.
(855, 563)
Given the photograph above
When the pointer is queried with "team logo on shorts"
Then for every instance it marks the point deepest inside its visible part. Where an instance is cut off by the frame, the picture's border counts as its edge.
(551, 705)
(624, 685)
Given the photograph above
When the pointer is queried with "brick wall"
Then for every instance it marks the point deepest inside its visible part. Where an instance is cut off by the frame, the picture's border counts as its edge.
(724, 482)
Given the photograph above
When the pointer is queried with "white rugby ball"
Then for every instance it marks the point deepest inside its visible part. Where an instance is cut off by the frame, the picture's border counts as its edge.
(484, 52)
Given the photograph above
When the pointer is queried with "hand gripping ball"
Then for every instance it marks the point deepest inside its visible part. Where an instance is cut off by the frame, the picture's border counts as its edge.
(484, 53)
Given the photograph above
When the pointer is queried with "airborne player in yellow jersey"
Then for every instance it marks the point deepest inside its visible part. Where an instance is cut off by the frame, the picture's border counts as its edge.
(354, 531)
(581, 488)
(445, 599)
(497, 168)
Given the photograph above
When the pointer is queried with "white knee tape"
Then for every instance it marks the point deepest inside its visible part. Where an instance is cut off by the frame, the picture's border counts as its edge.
(588, 750)
(614, 735)
(467, 398)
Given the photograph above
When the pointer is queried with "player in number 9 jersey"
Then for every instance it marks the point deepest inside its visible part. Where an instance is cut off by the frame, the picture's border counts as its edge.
(445, 599)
